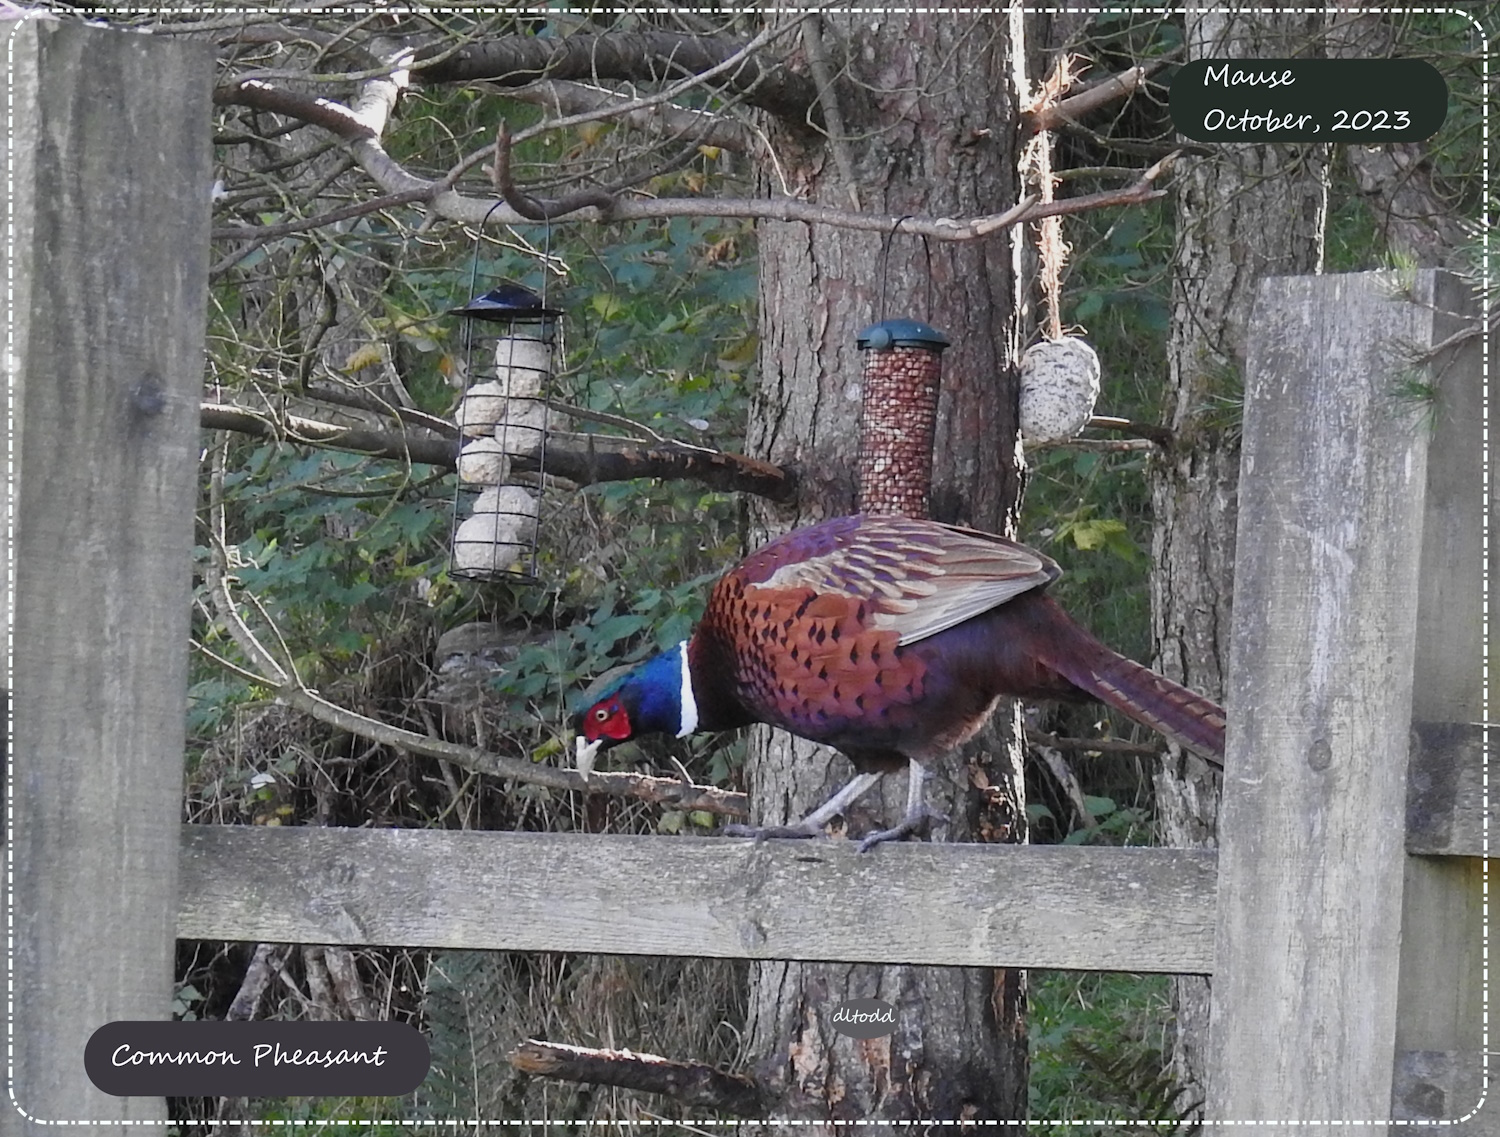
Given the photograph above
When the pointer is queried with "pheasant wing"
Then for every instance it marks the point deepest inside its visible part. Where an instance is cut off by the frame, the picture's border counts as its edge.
(914, 578)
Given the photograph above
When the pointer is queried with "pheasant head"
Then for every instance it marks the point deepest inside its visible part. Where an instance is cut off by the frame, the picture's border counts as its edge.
(653, 698)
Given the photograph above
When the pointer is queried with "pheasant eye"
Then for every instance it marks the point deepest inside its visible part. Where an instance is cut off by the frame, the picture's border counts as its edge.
(601, 715)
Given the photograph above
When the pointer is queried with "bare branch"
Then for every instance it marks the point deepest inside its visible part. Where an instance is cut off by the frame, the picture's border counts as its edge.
(1158, 434)
(375, 205)
(663, 791)
(448, 203)
(817, 61)
(584, 459)
(1097, 445)
(643, 56)
(292, 428)
(356, 401)
(531, 208)
(579, 99)
(1098, 745)
(262, 96)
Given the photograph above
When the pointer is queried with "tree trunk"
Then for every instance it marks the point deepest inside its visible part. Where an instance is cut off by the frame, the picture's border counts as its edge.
(928, 107)
(1247, 212)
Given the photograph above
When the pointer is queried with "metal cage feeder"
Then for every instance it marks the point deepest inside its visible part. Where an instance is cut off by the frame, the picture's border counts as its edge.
(511, 345)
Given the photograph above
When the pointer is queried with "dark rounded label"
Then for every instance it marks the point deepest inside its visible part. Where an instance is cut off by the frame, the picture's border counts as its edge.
(1367, 101)
(256, 1059)
(864, 1018)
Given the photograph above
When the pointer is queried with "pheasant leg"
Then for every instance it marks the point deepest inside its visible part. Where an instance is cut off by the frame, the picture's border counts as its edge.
(812, 824)
(918, 812)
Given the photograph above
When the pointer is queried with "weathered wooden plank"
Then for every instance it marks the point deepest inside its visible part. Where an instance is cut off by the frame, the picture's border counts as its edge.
(108, 179)
(1312, 842)
(1439, 1036)
(1133, 909)
(1446, 803)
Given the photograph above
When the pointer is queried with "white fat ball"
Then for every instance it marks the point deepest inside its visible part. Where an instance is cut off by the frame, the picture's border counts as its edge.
(1059, 387)
(482, 406)
(492, 542)
(528, 358)
(483, 461)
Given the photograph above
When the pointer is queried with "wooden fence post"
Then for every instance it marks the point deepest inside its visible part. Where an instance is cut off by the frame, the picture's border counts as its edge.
(106, 193)
(1312, 830)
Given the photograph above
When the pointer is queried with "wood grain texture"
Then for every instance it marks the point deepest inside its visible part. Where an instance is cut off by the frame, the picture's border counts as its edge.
(1312, 849)
(111, 171)
(976, 905)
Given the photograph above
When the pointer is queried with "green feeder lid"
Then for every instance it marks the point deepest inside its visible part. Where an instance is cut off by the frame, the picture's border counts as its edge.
(901, 333)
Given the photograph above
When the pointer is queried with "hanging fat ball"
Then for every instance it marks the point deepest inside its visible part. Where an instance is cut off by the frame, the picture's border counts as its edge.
(890, 639)
(1059, 387)
(484, 462)
(523, 361)
(523, 430)
(502, 528)
(481, 409)
(515, 425)
(507, 302)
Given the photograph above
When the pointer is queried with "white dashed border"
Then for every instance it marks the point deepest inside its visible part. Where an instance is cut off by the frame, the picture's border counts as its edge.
(10, 367)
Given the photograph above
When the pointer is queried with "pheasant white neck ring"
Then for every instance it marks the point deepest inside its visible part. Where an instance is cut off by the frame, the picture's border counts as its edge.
(689, 713)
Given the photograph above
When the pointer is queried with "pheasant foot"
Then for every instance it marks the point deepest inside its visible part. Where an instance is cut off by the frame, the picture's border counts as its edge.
(918, 813)
(812, 824)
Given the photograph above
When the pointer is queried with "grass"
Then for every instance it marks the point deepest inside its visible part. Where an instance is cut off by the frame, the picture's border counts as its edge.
(1100, 1048)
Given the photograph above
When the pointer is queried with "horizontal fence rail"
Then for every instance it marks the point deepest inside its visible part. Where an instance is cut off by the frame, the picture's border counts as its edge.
(1106, 909)
(1446, 804)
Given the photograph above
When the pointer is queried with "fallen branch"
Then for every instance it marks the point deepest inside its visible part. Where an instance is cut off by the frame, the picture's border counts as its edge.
(691, 1083)
(1063, 774)
(265, 963)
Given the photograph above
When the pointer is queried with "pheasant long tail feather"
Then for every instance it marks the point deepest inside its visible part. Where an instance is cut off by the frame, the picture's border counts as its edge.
(1138, 692)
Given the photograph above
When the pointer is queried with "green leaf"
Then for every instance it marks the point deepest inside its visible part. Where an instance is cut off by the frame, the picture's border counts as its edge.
(671, 821)
(606, 305)
(617, 628)
(1095, 533)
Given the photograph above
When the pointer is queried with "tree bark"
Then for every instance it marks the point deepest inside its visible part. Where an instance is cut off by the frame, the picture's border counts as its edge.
(1245, 213)
(929, 105)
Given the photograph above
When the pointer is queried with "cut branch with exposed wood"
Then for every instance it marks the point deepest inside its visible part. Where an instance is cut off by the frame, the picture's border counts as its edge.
(690, 1083)
(1085, 97)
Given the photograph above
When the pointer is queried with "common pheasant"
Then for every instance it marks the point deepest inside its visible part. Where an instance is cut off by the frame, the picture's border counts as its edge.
(890, 639)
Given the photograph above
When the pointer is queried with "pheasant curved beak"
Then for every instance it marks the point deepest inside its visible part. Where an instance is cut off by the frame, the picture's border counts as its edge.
(585, 754)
